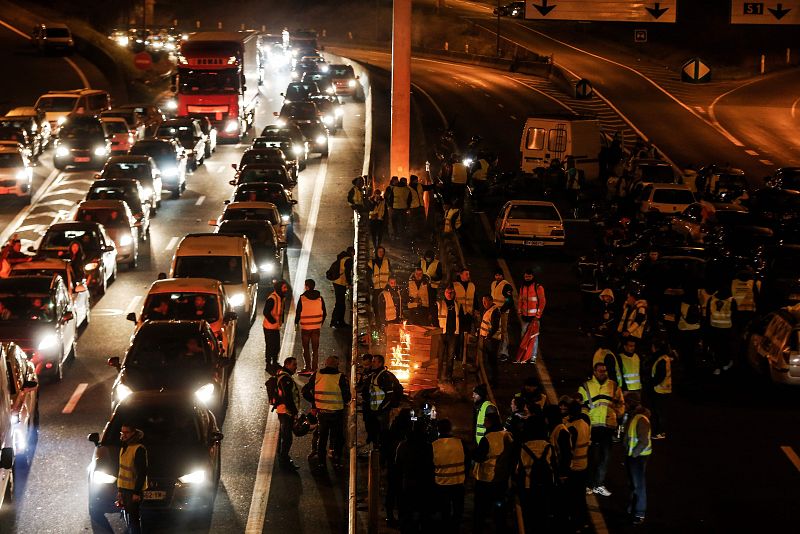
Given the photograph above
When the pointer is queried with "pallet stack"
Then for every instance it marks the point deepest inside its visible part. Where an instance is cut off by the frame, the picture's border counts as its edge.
(413, 350)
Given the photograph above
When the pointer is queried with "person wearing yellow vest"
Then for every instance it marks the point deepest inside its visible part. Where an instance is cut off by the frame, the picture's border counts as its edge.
(579, 427)
(634, 317)
(389, 308)
(659, 386)
(449, 475)
(416, 206)
(132, 474)
(493, 461)
(482, 406)
(629, 367)
(489, 338)
(419, 294)
(503, 296)
(449, 315)
(606, 356)
(638, 449)
(721, 312)
(452, 218)
(530, 309)
(383, 392)
(746, 291)
(340, 286)
(458, 180)
(401, 201)
(537, 465)
(602, 401)
(377, 218)
(688, 335)
(479, 177)
(272, 322)
(433, 268)
(466, 297)
(328, 391)
(356, 195)
(379, 270)
(310, 315)
(287, 405)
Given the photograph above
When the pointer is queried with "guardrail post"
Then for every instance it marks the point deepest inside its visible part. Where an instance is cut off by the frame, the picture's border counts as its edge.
(219, 25)
(446, 46)
(788, 56)
(374, 492)
(763, 63)
(242, 27)
(197, 24)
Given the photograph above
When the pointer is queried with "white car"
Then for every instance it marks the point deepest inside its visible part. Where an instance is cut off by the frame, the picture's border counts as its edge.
(23, 396)
(666, 199)
(529, 223)
(16, 173)
(255, 210)
(76, 285)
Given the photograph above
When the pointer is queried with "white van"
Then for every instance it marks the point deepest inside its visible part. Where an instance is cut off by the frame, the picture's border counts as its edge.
(546, 138)
(227, 258)
(58, 105)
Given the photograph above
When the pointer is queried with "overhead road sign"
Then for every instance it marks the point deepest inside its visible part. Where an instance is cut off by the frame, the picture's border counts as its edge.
(769, 12)
(602, 10)
(695, 71)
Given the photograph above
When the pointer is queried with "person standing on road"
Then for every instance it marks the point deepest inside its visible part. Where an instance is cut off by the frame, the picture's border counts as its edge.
(401, 201)
(287, 405)
(329, 392)
(606, 356)
(388, 198)
(466, 296)
(389, 307)
(489, 340)
(531, 308)
(633, 319)
(690, 319)
(377, 216)
(721, 314)
(449, 472)
(659, 386)
(433, 269)
(310, 315)
(452, 218)
(491, 471)
(273, 319)
(380, 268)
(458, 181)
(638, 448)
(340, 286)
(629, 366)
(482, 407)
(385, 392)
(450, 317)
(603, 402)
(132, 475)
(536, 468)
(419, 304)
(416, 206)
(356, 197)
(579, 427)
(503, 296)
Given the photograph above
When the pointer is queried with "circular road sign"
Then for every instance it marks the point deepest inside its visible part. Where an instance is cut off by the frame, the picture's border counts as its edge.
(143, 60)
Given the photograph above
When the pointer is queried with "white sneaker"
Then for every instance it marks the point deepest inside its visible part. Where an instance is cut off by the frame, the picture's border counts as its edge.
(602, 491)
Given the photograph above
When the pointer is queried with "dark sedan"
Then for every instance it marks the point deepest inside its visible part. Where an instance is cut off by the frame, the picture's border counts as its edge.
(263, 172)
(267, 192)
(170, 157)
(81, 142)
(268, 249)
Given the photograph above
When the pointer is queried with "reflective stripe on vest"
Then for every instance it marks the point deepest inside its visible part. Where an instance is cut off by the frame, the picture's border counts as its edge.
(682, 324)
(390, 312)
(480, 426)
(376, 394)
(528, 300)
(666, 385)
(628, 317)
(484, 471)
(310, 313)
(486, 324)
(459, 175)
(720, 315)
(126, 476)
(599, 404)
(482, 172)
(580, 450)
(327, 393)
(452, 220)
(744, 294)
(630, 372)
(497, 292)
(448, 462)
(465, 297)
(443, 316)
(544, 453)
(633, 436)
(378, 211)
(380, 273)
(418, 295)
(277, 313)
(430, 270)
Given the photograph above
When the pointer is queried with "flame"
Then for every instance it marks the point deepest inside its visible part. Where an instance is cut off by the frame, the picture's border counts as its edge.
(401, 354)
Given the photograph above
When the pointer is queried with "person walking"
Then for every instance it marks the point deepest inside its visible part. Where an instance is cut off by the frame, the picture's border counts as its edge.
(389, 309)
(659, 386)
(385, 393)
(341, 283)
(450, 317)
(503, 296)
(452, 218)
(629, 366)
(419, 304)
(489, 338)
(603, 402)
(273, 320)
(380, 268)
(401, 201)
(633, 318)
(721, 314)
(377, 217)
(449, 474)
(492, 458)
(287, 405)
(356, 197)
(310, 315)
(638, 449)
(328, 390)
(132, 475)
(531, 306)
(482, 406)
(432, 267)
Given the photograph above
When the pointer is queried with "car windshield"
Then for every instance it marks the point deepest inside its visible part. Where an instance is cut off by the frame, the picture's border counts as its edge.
(256, 156)
(158, 151)
(26, 308)
(57, 32)
(259, 195)
(250, 214)
(259, 235)
(162, 348)
(535, 212)
(56, 103)
(342, 72)
(73, 129)
(10, 159)
(262, 175)
(186, 305)
(726, 182)
(41, 272)
(128, 194)
(226, 269)
(88, 239)
(170, 427)
(115, 127)
(299, 110)
(129, 116)
(673, 196)
(178, 132)
(108, 217)
(127, 170)
(208, 81)
(16, 124)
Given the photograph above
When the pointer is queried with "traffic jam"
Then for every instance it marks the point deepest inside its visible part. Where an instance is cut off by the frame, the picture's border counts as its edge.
(172, 380)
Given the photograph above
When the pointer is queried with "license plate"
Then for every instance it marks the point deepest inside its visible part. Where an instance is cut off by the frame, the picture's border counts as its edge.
(82, 160)
(151, 495)
(534, 243)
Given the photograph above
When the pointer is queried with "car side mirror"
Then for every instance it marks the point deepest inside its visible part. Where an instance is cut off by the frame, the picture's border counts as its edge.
(30, 384)
(131, 317)
(283, 95)
(293, 201)
(234, 167)
(275, 114)
(212, 222)
(216, 437)
(230, 316)
(80, 288)
(67, 317)
(108, 248)
(114, 362)
(94, 437)
(232, 182)
(7, 458)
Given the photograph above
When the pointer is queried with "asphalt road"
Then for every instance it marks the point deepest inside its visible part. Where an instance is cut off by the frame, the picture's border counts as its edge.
(52, 494)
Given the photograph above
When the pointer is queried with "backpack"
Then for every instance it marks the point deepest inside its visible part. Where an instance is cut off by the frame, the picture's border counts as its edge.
(333, 271)
(541, 470)
(272, 391)
(693, 315)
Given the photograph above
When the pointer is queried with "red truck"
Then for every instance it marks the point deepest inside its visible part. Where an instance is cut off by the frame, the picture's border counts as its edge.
(218, 77)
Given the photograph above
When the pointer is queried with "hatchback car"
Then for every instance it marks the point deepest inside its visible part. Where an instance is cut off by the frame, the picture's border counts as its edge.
(119, 224)
(772, 345)
(267, 192)
(74, 280)
(269, 252)
(23, 398)
(16, 173)
(346, 82)
(263, 172)
(53, 37)
(142, 118)
(529, 223)
(188, 133)
(170, 157)
(32, 119)
(294, 153)
(721, 184)
(81, 142)
(17, 135)
(121, 135)
(141, 168)
(130, 191)
(665, 199)
(183, 444)
(267, 155)
(697, 219)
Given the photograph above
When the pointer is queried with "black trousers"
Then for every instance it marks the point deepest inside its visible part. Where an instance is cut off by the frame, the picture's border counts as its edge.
(272, 347)
(599, 454)
(449, 502)
(132, 510)
(331, 424)
(339, 307)
(488, 503)
(376, 227)
(285, 437)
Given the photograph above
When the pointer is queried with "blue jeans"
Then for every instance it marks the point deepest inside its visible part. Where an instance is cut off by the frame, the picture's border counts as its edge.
(636, 468)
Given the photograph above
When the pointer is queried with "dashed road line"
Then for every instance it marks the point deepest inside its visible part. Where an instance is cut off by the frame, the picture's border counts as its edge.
(200, 200)
(789, 452)
(76, 396)
(513, 117)
(133, 305)
(766, 162)
(751, 152)
(531, 87)
(172, 242)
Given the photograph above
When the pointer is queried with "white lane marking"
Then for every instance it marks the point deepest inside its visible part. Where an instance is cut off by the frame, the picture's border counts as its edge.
(700, 109)
(172, 242)
(789, 452)
(434, 104)
(266, 460)
(794, 107)
(221, 170)
(200, 200)
(16, 221)
(13, 29)
(551, 97)
(513, 118)
(487, 95)
(107, 312)
(766, 162)
(751, 152)
(501, 106)
(133, 305)
(76, 396)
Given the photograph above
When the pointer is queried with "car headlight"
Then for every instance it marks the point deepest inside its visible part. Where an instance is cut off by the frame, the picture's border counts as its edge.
(237, 299)
(61, 120)
(123, 41)
(338, 111)
(297, 150)
(196, 477)
(467, 162)
(231, 126)
(205, 393)
(123, 392)
(351, 84)
(100, 151)
(125, 240)
(321, 139)
(91, 266)
(169, 172)
(62, 152)
(323, 68)
(286, 218)
(280, 123)
(101, 477)
(327, 120)
(22, 176)
(171, 104)
(266, 268)
(48, 342)
(794, 360)
(330, 90)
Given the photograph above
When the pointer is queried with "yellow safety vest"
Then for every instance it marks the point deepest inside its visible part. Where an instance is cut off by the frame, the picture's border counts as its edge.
(376, 394)
(497, 292)
(126, 476)
(744, 294)
(560, 427)
(484, 471)
(480, 422)
(481, 173)
(630, 371)
(628, 315)
(277, 313)
(682, 324)
(465, 297)
(452, 220)
(486, 324)
(295, 393)
(459, 175)
(529, 300)
(416, 196)
(448, 462)
(378, 211)
(400, 198)
(443, 316)
(720, 318)
(391, 312)
(580, 450)
(417, 294)
(430, 270)
(633, 438)
(310, 313)
(342, 280)
(380, 273)
(666, 385)
(599, 402)
(358, 197)
(327, 393)
(544, 453)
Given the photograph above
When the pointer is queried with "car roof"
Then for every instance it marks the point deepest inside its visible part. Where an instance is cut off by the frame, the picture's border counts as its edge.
(44, 263)
(530, 203)
(103, 204)
(140, 158)
(670, 186)
(211, 244)
(23, 111)
(250, 204)
(66, 225)
(115, 182)
(196, 285)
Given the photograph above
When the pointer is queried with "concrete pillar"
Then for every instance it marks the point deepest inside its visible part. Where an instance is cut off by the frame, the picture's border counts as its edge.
(401, 88)
(149, 12)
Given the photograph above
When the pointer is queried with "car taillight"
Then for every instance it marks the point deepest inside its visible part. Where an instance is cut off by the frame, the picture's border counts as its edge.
(557, 231)
(511, 231)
